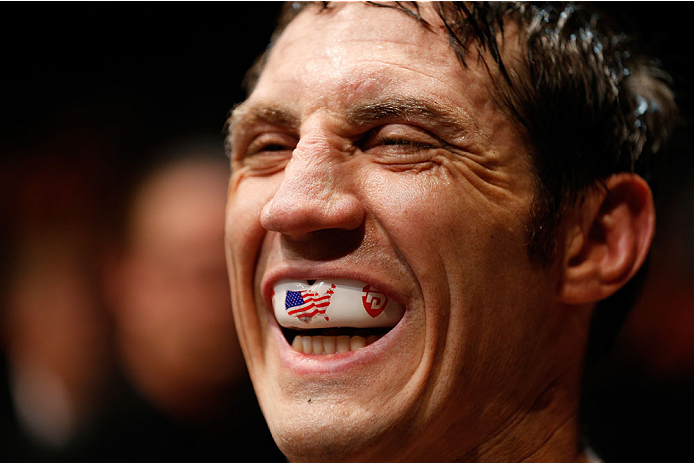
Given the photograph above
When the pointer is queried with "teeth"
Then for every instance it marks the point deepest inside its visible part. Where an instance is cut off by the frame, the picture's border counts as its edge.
(356, 342)
(306, 344)
(329, 344)
(342, 344)
(322, 345)
(297, 345)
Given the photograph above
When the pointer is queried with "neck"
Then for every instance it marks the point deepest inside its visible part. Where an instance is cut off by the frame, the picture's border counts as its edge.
(549, 430)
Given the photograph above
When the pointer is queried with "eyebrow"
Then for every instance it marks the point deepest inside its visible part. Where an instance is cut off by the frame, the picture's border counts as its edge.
(445, 117)
(272, 114)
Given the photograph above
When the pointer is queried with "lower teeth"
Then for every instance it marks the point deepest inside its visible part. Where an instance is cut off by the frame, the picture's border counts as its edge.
(323, 345)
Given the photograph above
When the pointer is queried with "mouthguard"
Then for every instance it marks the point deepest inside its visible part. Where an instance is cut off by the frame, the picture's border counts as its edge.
(307, 304)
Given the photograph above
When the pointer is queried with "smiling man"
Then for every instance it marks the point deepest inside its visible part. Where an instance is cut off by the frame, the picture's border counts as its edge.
(426, 204)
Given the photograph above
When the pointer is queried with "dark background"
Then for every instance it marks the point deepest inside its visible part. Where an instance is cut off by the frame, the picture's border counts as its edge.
(134, 73)
(90, 90)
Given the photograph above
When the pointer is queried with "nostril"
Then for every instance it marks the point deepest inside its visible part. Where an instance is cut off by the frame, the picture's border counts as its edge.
(323, 244)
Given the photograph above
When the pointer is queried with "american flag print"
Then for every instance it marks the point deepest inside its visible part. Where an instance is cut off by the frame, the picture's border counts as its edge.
(307, 304)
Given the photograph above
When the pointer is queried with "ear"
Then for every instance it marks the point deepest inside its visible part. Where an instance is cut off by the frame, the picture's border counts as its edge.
(607, 239)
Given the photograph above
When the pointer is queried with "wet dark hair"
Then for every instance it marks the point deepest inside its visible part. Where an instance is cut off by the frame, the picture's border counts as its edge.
(588, 103)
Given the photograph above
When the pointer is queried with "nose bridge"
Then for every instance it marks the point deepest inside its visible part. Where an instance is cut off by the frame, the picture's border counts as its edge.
(314, 193)
(312, 167)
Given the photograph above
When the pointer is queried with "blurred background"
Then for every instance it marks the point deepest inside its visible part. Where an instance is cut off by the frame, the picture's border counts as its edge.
(116, 332)
(115, 329)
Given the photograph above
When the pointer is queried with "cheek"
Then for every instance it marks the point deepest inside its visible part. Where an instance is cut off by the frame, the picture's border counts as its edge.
(243, 230)
(433, 213)
(469, 256)
(243, 239)
(467, 250)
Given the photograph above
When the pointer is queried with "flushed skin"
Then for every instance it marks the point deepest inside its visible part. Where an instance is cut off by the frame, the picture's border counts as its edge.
(366, 151)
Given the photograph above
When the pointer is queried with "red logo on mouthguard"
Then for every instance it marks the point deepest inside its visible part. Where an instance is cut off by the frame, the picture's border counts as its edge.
(374, 301)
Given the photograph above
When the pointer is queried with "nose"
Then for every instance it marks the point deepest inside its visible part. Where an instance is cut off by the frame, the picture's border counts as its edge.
(314, 195)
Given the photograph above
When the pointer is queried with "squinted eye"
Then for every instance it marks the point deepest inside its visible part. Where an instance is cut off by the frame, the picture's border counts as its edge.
(266, 153)
(271, 147)
(271, 143)
(407, 143)
(398, 140)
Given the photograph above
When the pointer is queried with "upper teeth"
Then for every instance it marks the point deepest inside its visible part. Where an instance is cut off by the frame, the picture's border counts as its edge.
(333, 303)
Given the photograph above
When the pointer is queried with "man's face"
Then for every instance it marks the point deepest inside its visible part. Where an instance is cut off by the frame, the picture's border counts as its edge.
(367, 152)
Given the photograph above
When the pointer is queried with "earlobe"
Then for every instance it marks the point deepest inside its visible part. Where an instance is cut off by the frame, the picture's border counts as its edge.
(608, 239)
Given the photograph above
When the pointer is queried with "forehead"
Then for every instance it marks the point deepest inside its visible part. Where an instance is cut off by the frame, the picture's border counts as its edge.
(355, 51)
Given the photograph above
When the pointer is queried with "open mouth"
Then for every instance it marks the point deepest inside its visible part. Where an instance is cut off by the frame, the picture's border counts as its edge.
(322, 317)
